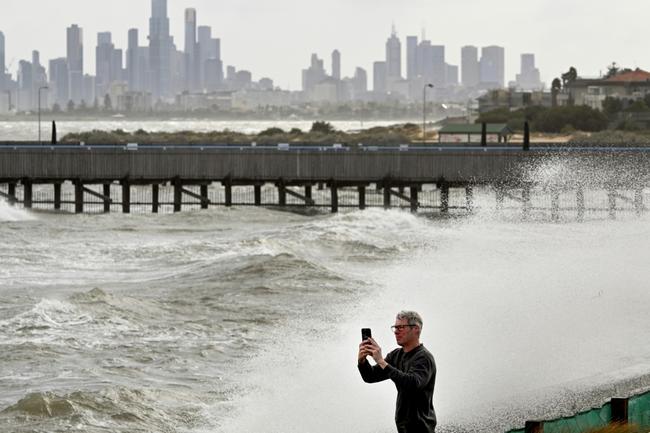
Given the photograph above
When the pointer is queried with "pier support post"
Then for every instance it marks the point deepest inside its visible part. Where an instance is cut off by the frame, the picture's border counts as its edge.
(308, 193)
(178, 195)
(611, 202)
(11, 190)
(282, 194)
(555, 205)
(469, 198)
(335, 197)
(107, 195)
(155, 198)
(444, 197)
(126, 196)
(414, 199)
(57, 196)
(619, 410)
(78, 196)
(362, 197)
(204, 193)
(320, 186)
(638, 201)
(534, 427)
(580, 202)
(387, 195)
(27, 193)
(257, 191)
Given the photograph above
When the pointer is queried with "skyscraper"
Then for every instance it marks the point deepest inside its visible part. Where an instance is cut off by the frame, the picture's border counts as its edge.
(528, 78)
(59, 81)
(75, 57)
(411, 57)
(470, 69)
(439, 68)
(103, 62)
(159, 50)
(2, 61)
(191, 54)
(393, 57)
(379, 77)
(492, 67)
(336, 65)
(131, 59)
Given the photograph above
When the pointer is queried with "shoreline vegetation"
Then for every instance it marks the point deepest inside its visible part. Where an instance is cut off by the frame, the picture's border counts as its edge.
(323, 133)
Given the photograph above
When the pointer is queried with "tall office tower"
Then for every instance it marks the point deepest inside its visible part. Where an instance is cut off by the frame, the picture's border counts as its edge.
(160, 50)
(204, 37)
(452, 75)
(191, 52)
(393, 57)
(439, 68)
(314, 74)
(103, 63)
(132, 59)
(336, 65)
(90, 97)
(213, 74)
(39, 80)
(59, 82)
(411, 57)
(75, 56)
(379, 77)
(425, 61)
(25, 86)
(492, 67)
(528, 78)
(360, 86)
(469, 64)
(3, 65)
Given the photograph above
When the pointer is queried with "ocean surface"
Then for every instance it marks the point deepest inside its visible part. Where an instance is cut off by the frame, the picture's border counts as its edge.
(28, 130)
(248, 320)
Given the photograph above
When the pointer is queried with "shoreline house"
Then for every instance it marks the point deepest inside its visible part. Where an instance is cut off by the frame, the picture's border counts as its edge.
(627, 85)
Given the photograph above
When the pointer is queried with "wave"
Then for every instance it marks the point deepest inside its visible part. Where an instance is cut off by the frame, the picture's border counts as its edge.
(9, 213)
(117, 409)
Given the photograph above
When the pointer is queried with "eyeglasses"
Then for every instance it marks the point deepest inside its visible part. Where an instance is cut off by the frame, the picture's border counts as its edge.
(400, 327)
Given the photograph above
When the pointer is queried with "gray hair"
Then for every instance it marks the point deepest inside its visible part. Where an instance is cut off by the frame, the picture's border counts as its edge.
(411, 317)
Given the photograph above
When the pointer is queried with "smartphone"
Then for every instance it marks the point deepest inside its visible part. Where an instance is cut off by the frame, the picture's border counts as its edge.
(365, 334)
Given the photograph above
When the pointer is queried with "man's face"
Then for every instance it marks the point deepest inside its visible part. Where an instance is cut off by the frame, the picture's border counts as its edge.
(404, 334)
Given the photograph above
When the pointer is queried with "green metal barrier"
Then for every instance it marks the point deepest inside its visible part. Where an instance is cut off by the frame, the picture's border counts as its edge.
(635, 410)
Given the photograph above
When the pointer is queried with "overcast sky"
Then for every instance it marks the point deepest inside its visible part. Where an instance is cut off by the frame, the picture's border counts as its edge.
(276, 38)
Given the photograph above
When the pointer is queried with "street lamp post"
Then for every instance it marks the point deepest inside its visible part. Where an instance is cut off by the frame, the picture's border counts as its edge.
(39, 111)
(424, 111)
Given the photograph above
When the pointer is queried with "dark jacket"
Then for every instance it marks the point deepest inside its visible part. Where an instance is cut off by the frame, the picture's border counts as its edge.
(414, 375)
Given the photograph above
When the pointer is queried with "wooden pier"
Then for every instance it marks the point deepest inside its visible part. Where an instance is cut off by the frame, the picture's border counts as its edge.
(417, 178)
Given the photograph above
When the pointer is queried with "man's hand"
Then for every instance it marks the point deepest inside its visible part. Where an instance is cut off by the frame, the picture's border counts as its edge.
(363, 351)
(375, 351)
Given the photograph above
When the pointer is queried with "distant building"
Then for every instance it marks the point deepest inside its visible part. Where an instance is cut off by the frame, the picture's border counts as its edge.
(59, 82)
(452, 75)
(628, 86)
(75, 58)
(379, 77)
(411, 57)
(336, 65)
(529, 77)
(3, 66)
(470, 68)
(107, 69)
(313, 75)
(393, 57)
(492, 67)
(360, 84)
(439, 67)
(160, 46)
(512, 99)
(191, 51)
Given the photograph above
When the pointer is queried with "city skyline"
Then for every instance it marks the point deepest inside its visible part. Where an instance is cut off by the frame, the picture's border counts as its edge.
(253, 34)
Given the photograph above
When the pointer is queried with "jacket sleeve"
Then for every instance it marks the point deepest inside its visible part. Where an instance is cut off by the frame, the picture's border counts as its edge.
(373, 373)
(417, 377)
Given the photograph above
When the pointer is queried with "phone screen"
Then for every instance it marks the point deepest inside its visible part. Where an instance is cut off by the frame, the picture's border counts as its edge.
(365, 334)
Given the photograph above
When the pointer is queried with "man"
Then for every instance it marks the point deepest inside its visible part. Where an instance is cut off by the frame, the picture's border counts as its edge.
(412, 369)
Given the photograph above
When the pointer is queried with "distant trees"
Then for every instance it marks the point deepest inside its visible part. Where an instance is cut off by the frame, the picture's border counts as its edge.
(322, 127)
(554, 120)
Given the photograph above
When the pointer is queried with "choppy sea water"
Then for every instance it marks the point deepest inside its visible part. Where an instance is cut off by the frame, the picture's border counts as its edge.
(28, 130)
(248, 319)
